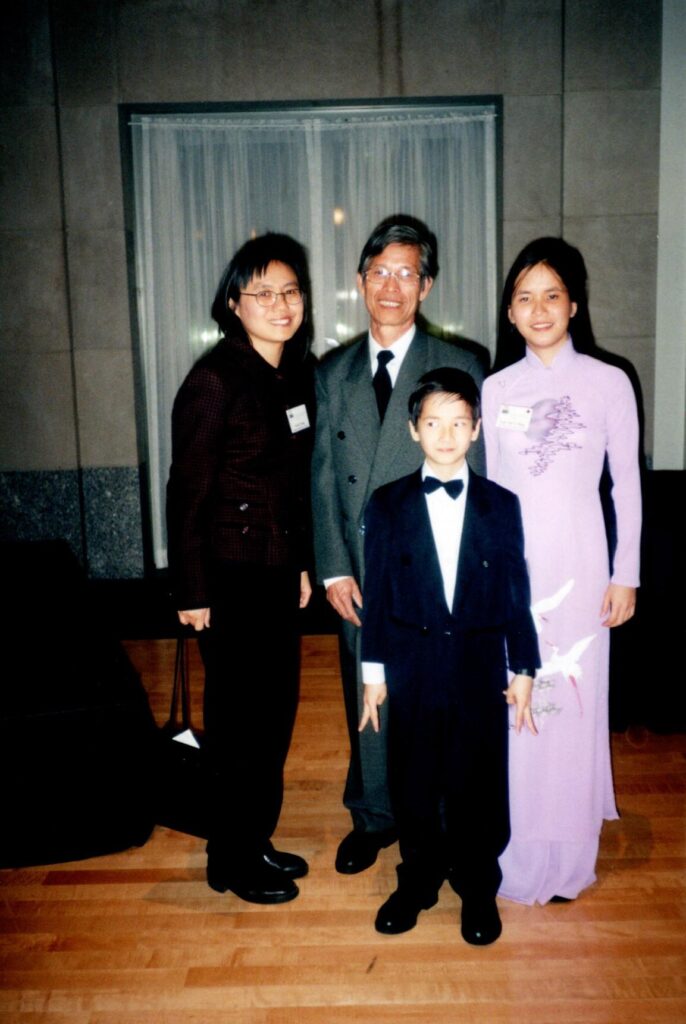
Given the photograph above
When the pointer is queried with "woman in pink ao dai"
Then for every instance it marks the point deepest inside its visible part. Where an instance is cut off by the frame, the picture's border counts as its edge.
(551, 417)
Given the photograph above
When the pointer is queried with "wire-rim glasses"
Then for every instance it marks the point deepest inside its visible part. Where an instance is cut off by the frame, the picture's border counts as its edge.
(403, 276)
(268, 297)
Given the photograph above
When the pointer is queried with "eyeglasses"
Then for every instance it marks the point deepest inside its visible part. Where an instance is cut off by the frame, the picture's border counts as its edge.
(267, 297)
(380, 274)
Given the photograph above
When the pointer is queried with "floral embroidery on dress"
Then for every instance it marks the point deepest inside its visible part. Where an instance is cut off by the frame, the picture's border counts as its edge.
(553, 422)
(542, 700)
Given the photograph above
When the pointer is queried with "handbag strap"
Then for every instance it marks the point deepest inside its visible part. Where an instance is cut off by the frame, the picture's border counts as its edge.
(181, 697)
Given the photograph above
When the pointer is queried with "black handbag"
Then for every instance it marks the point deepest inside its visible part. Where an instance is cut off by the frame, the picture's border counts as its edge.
(183, 773)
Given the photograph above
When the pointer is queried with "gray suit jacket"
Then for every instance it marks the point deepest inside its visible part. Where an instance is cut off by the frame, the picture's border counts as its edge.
(354, 455)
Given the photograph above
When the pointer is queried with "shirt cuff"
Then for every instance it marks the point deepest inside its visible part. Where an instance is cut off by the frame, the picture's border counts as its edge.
(373, 673)
(334, 579)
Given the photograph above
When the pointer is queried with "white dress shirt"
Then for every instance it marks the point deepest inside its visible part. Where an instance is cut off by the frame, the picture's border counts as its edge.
(446, 516)
(399, 348)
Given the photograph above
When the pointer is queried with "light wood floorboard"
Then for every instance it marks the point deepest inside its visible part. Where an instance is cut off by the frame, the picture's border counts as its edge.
(138, 938)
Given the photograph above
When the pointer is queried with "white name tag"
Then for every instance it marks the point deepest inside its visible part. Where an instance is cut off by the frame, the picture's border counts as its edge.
(514, 417)
(298, 418)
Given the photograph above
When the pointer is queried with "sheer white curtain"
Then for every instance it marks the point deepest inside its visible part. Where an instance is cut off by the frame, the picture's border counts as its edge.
(204, 183)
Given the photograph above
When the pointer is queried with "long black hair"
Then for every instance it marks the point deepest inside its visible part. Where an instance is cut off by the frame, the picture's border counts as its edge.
(568, 263)
(253, 257)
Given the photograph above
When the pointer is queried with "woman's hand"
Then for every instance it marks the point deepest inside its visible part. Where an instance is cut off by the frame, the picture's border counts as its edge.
(305, 589)
(374, 696)
(198, 618)
(519, 694)
(619, 604)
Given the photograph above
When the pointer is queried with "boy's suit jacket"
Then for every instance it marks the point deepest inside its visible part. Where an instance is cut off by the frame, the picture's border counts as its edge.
(433, 653)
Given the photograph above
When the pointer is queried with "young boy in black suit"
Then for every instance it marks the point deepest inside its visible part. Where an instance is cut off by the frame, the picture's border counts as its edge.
(445, 614)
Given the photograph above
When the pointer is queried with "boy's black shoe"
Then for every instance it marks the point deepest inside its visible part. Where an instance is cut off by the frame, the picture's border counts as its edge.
(400, 911)
(260, 883)
(480, 922)
(359, 850)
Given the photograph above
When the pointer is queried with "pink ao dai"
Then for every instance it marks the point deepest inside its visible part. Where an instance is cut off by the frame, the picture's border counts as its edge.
(561, 780)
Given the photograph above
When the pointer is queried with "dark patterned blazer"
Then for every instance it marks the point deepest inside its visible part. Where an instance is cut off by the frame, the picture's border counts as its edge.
(238, 488)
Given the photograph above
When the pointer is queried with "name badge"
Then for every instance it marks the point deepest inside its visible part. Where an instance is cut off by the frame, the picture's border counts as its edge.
(514, 417)
(297, 418)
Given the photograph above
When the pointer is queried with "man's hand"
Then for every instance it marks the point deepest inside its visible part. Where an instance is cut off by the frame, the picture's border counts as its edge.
(519, 694)
(619, 604)
(198, 618)
(374, 696)
(343, 595)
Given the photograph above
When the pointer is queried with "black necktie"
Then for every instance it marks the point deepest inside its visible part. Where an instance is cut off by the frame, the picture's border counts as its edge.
(382, 382)
(453, 487)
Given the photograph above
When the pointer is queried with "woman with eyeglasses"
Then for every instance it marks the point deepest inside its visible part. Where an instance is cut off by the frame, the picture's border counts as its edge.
(239, 547)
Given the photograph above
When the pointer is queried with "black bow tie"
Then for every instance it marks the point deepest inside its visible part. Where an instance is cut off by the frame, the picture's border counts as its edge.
(453, 487)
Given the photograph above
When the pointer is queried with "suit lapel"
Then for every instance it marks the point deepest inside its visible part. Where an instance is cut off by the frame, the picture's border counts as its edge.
(419, 540)
(469, 558)
(360, 402)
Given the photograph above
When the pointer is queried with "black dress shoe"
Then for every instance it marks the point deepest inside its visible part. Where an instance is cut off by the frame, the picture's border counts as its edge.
(480, 922)
(258, 884)
(359, 850)
(289, 864)
(400, 912)
(560, 899)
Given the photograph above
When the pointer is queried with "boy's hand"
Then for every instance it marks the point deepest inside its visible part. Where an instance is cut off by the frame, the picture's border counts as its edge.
(374, 696)
(519, 694)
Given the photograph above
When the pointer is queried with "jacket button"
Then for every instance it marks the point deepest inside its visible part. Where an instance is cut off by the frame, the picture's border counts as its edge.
(352, 479)
(447, 632)
(243, 507)
(245, 529)
(485, 564)
(425, 630)
(341, 435)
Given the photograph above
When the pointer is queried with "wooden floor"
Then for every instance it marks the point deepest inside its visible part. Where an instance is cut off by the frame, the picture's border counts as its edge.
(138, 938)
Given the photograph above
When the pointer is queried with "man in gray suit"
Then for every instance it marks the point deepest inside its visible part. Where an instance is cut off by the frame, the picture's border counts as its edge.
(363, 441)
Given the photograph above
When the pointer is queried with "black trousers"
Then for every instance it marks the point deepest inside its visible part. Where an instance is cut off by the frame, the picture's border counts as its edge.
(448, 783)
(251, 654)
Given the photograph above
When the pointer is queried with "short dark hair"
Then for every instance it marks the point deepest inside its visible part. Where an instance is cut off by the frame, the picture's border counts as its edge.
(567, 262)
(446, 381)
(253, 257)
(402, 229)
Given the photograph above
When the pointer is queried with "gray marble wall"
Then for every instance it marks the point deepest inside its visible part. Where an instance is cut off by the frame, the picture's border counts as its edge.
(580, 81)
